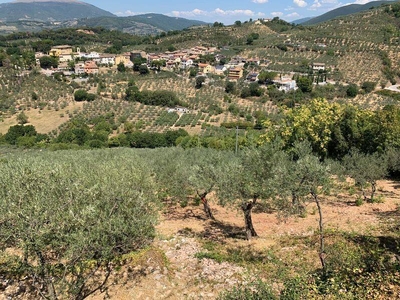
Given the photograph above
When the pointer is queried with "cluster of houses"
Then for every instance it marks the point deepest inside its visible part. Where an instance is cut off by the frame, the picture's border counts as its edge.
(170, 60)
(87, 62)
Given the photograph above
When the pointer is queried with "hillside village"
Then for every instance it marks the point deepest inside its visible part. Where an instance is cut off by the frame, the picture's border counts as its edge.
(79, 63)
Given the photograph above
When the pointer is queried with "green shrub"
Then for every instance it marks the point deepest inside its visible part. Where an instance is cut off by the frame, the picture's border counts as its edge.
(253, 291)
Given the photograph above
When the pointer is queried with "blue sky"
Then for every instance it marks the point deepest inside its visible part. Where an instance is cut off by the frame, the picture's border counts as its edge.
(225, 11)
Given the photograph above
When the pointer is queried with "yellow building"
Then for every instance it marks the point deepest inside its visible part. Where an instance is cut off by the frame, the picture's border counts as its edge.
(235, 73)
(61, 50)
(122, 58)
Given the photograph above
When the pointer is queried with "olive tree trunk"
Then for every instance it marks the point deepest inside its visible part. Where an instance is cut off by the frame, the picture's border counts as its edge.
(247, 208)
(322, 254)
(206, 205)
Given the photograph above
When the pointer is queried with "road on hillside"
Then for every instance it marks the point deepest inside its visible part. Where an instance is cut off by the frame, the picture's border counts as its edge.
(394, 88)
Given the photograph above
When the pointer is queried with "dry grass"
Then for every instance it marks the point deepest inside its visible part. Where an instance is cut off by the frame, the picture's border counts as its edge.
(44, 120)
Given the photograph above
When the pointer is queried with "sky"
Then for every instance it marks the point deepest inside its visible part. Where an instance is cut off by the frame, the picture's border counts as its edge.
(224, 11)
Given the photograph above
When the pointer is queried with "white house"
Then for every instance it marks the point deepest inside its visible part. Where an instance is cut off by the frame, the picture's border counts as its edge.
(286, 84)
(220, 69)
(318, 66)
(91, 55)
(79, 68)
(65, 57)
(107, 59)
(186, 63)
(178, 109)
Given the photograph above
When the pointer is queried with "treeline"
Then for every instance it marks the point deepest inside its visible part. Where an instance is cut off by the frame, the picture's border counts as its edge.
(332, 129)
(157, 97)
(74, 37)
(77, 134)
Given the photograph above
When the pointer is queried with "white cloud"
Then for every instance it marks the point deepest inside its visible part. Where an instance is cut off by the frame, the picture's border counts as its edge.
(293, 15)
(192, 13)
(236, 12)
(260, 1)
(197, 11)
(315, 5)
(327, 5)
(300, 3)
(127, 13)
(277, 14)
(215, 12)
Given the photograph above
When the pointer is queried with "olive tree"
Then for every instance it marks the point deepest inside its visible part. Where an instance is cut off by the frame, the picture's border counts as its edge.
(170, 173)
(301, 177)
(205, 168)
(68, 217)
(246, 179)
(366, 169)
(182, 174)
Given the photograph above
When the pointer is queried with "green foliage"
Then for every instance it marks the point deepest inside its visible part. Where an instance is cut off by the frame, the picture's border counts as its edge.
(279, 25)
(193, 72)
(229, 87)
(22, 118)
(282, 47)
(200, 81)
(304, 84)
(139, 139)
(366, 169)
(359, 268)
(368, 86)
(143, 70)
(17, 131)
(252, 291)
(266, 76)
(352, 90)
(334, 129)
(47, 62)
(240, 125)
(218, 24)
(121, 67)
(158, 97)
(65, 237)
(167, 119)
(255, 89)
(83, 95)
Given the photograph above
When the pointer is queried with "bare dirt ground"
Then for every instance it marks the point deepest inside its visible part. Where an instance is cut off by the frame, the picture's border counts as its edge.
(44, 120)
(184, 276)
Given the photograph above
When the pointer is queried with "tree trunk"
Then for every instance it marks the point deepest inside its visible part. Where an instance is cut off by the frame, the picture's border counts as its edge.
(206, 206)
(364, 193)
(247, 207)
(45, 278)
(322, 254)
(373, 190)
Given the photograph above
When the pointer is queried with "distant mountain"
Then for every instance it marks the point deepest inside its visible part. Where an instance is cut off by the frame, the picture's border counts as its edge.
(300, 21)
(147, 24)
(344, 11)
(51, 10)
(141, 24)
